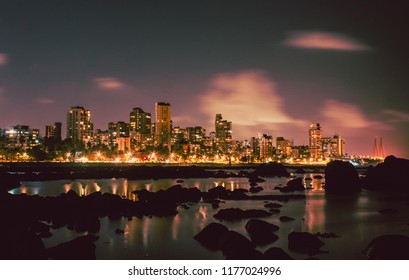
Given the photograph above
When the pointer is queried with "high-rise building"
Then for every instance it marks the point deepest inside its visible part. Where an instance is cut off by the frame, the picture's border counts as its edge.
(223, 134)
(79, 125)
(315, 141)
(266, 146)
(283, 147)
(140, 121)
(53, 131)
(163, 127)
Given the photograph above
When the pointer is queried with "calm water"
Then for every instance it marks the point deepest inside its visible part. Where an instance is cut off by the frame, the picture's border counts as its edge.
(355, 219)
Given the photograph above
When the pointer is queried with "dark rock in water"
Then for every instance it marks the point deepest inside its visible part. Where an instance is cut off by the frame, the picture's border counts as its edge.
(21, 244)
(388, 247)
(286, 219)
(38, 227)
(326, 235)
(274, 210)
(212, 236)
(271, 170)
(237, 214)
(273, 205)
(45, 234)
(318, 177)
(253, 184)
(235, 245)
(119, 231)
(261, 232)
(179, 181)
(294, 185)
(275, 253)
(388, 211)
(254, 178)
(278, 188)
(184, 206)
(7, 182)
(341, 177)
(256, 189)
(215, 205)
(80, 248)
(304, 242)
(389, 175)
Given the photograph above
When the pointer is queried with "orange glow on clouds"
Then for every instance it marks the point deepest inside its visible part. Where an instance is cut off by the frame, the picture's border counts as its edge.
(323, 40)
(109, 83)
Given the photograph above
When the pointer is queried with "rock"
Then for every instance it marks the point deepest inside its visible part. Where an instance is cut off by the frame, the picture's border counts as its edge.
(388, 247)
(21, 244)
(294, 185)
(275, 253)
(318, 177)
(273, 205)
(271, 170)
(341, 177)
(286, 219)
(235, 245)
(80, 248)
(237, 214)
(212, 236)
(274, 210)
(256, 189)
(119, 231)
(304, 242)
(326, 235)
(179, 181)
(389, 175)
(261, 232)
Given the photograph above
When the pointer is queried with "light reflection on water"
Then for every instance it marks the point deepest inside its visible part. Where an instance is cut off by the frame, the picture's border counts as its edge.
(355, 219)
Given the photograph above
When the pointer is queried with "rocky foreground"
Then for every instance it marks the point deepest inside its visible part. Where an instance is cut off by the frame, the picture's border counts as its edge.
(27, 219)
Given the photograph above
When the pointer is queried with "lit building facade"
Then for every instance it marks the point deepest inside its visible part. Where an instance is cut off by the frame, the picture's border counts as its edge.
(79, 125)
(283, 147)
(315, 141)
(223, 130)
(163, 127)
(53, 131)
(265, 143)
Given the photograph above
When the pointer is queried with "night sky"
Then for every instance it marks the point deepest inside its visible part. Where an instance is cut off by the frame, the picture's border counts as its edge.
(268, 66)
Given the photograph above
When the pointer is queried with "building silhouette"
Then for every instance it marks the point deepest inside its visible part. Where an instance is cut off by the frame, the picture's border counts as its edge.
(163, 127)
(223, 130)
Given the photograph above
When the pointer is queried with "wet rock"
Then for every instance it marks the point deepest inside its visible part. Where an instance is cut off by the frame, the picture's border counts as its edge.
(45, 234)
(341, 177)
(256, 189)
(80, 248)
(215, 205)
(179, 181)
(271, 170)
(237, 214)
(236, 245)
(276, 253)
(286, 219)
(294, 185)
(389, 175)
(119, 231)
(261, 232)
(326, 235)
(274, 210)
(21, 244)
(212, 236)
(318, 177)
(304, 242)
(273, 205)
(388, 247)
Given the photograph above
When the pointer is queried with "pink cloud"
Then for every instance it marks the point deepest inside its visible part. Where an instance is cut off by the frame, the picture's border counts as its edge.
(348, 116)
(323, 40)
(109, 83)
(45, 101)
(249, 99)
(396, 116)
(3, 59)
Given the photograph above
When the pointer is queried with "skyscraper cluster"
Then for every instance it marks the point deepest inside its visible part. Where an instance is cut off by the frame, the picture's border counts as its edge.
(143, 135)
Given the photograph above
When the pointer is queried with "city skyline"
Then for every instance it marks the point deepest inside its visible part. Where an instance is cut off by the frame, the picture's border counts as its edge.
(268, 67)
